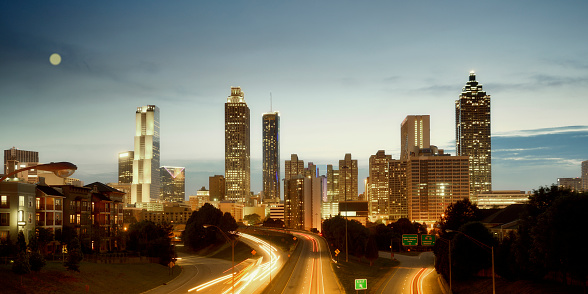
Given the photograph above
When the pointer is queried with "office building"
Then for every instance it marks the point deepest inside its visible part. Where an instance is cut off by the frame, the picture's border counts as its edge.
(472, 134)
(202, 196)
(271, 156)
(216, 187)
(293, 168)
(302, 202)
(237, 153)
(332, 184)
(125, 167)
(379, 185)
(15, 159)
(398, 195)
(348, 190)
(414, 135)
(574, 184)
(173, 183)
(125, 188)
(234, 208)
(146, 174)
(500, 199)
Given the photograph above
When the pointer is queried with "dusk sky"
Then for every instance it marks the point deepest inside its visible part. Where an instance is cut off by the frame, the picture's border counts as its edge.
(342, 74)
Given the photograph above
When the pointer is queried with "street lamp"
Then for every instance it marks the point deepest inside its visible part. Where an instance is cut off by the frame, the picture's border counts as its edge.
(484, 245)
(233, 250)
(60, 169)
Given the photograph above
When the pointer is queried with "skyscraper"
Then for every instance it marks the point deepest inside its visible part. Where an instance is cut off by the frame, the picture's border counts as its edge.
(348, 179)
(173, 183)
(216, 186)
(472, 134)
(146, 174)
(332, 184)
(125, 167)
(271, 156)
(237, 153)
(414, 135)
(293, 168)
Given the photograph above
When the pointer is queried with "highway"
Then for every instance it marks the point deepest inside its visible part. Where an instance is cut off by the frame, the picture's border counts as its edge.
(313, 272)
(414, 275)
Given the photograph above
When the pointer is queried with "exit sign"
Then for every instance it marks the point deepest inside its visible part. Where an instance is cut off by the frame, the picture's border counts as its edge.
(360, 284)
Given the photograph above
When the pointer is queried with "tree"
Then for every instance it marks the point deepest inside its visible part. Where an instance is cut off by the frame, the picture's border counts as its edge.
(468, 256)
(371, 250)
(334, 232)
(74, 255)
(196, 237)
(21, 242)
(21, 264)
(273, 223)
(66, 234)
(43, 236)
(252, 219)
(458, 214)
(36, 261)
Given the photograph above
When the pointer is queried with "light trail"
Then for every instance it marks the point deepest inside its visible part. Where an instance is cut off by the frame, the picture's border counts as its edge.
(415, 281)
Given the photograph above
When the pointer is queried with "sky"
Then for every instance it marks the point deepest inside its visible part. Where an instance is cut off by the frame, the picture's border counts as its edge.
(342, 74)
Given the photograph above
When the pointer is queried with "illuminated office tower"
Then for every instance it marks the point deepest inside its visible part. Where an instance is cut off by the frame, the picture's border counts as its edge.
(237, 153)
(125, 167)
(414, 135)
(472, 134)
(293, 168)
(398, 195)
(16, 159)
(348, 179)
(216, 186)
(173, 184)
(585, 176)
(379, 185)
(146, 173)
(271, 156)
(302, 202)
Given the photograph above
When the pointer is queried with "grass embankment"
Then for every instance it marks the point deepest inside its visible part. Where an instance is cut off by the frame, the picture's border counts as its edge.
(95, 277)
(347, 272)
(484, 285)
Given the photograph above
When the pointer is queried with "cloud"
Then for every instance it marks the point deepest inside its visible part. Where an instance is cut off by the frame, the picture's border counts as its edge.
(544, 131)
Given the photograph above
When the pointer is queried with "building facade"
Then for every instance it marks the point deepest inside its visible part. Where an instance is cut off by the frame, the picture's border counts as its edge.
(17, 209)
(472, 134)
(293, 168)
(378, 189)
(398, 193)
(574, 184)
(415, 133)
(216, 186)
(146, 175)
(500, 199)
(302, 202)
(271, 156)
(348, 177)
(237, 153)
(332, 184)
(125, 167)
(173, 183)
(585, 176)
(16, 159)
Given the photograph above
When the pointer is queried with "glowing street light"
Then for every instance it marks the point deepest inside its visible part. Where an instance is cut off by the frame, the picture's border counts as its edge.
(60, 169)
(233, 251)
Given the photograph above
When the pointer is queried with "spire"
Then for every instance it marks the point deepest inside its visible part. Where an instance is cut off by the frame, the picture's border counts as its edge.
(472, 76)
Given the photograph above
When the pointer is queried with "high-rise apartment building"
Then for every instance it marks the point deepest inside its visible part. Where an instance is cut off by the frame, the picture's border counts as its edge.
(146, 174)
(435, 181)
(472, 134)
(585, 176)
(216, 186)
(414, 135)
(293, 168)
(348, 179)
(237, 153)
(173, 184)
(302, 202)
(16, 159)
(378, 189)
(574, 184)
(271, 156)
(125, 167)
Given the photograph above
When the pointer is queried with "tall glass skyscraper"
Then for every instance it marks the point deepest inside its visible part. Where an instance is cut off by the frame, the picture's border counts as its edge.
(237, 152)
(472, 134)
(125, 167)
(146, 174)
(173, 183)
(271, 156)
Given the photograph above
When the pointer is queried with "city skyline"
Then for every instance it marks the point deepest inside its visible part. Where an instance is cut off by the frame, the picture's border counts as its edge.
(342, 76)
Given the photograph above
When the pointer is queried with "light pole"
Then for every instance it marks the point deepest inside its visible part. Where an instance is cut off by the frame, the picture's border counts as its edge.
(346, 218)
(232, 250)
(60, 169)
(481, 244)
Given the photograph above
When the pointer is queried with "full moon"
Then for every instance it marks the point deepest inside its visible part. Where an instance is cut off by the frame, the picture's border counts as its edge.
(55, 59)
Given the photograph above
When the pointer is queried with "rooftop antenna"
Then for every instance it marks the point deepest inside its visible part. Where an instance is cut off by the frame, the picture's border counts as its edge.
(271, 106)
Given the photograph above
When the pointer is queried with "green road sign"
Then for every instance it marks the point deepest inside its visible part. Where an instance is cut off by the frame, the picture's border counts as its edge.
(428, 240)
(410, 240)
(360, 284)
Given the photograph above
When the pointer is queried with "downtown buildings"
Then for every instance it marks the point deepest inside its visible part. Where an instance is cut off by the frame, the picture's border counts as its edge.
(271, 156)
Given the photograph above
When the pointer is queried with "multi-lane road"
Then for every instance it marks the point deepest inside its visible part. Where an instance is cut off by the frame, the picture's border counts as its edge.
(414, 275)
